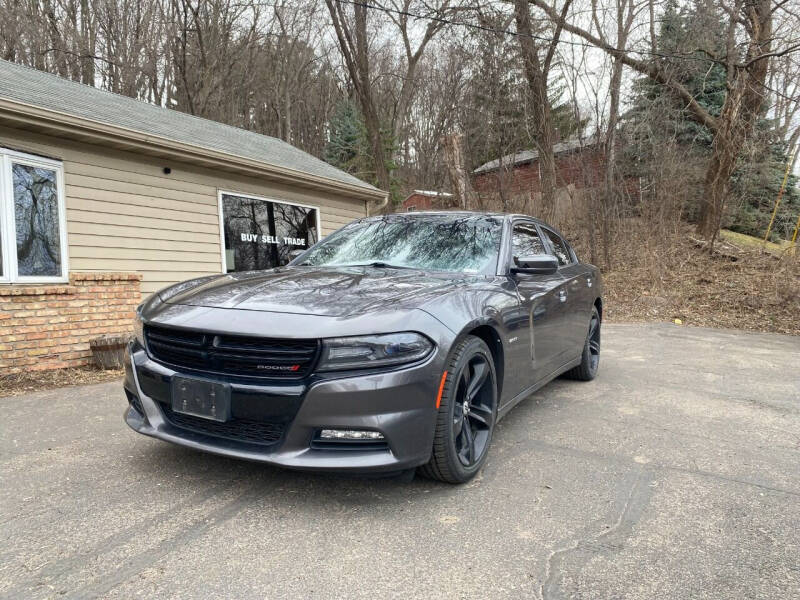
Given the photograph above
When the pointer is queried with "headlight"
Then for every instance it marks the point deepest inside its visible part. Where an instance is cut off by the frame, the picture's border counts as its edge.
(138, 326)
(368, 351)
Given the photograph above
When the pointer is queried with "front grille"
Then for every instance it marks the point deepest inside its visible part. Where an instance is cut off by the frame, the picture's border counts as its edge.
(240, 430)
(232, 355)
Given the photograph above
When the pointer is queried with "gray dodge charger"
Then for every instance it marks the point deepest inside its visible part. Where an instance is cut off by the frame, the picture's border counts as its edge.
(395, 343)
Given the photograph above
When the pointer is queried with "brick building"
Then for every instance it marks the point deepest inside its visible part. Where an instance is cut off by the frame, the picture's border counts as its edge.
(105, 199)
(427, 200)
(516, 178)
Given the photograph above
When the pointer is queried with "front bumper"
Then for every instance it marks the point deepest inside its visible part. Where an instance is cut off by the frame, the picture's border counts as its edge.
(400, 404)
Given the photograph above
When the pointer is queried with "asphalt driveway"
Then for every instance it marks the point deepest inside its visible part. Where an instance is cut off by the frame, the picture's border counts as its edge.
(676, 474)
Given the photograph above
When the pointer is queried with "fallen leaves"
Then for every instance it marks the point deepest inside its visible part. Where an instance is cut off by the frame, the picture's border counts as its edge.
(33, 381)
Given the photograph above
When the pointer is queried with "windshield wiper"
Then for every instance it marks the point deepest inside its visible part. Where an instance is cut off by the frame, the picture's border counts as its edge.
(378, 264)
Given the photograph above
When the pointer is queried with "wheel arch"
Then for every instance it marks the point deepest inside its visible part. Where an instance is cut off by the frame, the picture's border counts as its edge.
(598, 304)
(491, 336)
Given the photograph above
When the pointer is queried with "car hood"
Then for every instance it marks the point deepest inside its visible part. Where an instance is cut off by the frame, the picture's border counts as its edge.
(334, 292)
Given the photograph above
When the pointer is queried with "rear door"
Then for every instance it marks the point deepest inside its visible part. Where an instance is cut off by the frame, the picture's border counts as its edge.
(537, 295)
(572, 296)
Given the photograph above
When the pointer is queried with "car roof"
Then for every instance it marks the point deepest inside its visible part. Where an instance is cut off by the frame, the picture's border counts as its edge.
(477, 213)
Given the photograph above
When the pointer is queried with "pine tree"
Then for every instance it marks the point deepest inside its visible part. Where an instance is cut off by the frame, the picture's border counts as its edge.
(657, 118)
(347, 146)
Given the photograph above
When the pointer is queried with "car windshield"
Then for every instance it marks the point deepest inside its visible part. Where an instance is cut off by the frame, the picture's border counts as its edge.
(464, 243)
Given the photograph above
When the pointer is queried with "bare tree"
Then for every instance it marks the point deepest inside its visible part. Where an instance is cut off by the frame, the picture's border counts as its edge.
(354, 45)
(624, 13)
(538, 60)
(750, 46)
(212, 52)
(456, 167)
(434, 112)
(784, 86)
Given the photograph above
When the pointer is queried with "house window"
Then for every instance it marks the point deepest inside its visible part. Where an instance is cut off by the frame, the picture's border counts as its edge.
(33, 235)
(260, 233)
(411, 208)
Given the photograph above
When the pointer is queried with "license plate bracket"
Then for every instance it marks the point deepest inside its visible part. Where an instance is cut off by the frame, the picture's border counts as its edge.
(201, 398)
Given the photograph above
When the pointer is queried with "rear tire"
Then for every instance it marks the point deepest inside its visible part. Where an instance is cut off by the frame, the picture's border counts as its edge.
(467, 414)
(590, 357)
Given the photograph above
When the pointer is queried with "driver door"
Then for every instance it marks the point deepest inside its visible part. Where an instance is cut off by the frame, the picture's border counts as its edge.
(538, 294)
(578, 304)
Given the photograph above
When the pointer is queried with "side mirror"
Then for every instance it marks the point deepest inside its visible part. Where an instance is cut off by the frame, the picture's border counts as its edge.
(541, 264)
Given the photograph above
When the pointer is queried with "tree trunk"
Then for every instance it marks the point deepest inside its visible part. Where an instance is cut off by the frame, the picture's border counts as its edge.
(459, 179)
(354, 46)
(373, 127)
(404, 100)
(609, 204)
(364, 89)
(88, 43)
(542, 120)
(741, 109)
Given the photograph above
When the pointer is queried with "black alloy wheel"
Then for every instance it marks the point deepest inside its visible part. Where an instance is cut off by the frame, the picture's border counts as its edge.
(590, 357)
(473, 413)
(467, 414)
(594, 341)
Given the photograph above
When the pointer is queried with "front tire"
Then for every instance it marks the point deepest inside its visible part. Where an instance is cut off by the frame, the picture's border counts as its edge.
(590, 357)
(467, 414)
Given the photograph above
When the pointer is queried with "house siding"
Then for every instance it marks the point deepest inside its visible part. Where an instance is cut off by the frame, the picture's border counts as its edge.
(125, 215)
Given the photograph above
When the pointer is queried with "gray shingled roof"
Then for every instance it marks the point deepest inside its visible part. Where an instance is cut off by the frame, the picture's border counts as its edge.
(44, 90)
(526, 156)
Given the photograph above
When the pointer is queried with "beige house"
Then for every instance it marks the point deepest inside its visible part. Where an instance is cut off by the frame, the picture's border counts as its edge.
(104, 199)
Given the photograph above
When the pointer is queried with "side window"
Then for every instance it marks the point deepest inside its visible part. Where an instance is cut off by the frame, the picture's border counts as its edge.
(571, 252)
(525, 241)
(559, 248)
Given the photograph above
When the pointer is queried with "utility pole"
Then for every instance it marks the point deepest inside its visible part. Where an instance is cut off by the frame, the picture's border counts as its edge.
(780, 195)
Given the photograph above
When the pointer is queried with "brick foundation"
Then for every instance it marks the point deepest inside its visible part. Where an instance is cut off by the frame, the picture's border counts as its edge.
(49, 326)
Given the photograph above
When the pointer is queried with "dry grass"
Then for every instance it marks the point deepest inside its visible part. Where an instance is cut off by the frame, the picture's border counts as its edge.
(747, 242)
(669, 277)
(32, 381)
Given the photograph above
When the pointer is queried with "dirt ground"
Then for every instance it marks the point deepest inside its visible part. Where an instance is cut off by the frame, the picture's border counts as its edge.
(736, 288)
(31, 381)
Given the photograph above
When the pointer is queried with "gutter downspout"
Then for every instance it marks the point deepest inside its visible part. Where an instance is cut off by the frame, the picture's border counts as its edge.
(379, 207)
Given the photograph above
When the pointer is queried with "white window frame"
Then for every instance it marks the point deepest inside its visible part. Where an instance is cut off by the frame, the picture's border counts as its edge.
(8, 219)
(221, 193)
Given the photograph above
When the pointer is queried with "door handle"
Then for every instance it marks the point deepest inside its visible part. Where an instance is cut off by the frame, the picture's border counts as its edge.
(562, 295)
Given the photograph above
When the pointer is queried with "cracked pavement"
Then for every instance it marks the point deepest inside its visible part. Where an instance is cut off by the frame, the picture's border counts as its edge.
(675, 474)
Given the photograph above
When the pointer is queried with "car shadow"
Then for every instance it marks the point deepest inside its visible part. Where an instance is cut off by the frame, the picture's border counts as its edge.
(159, 462)
(156, 462)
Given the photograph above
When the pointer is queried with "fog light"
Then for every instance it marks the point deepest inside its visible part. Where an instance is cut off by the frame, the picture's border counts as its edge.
(349, 434)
